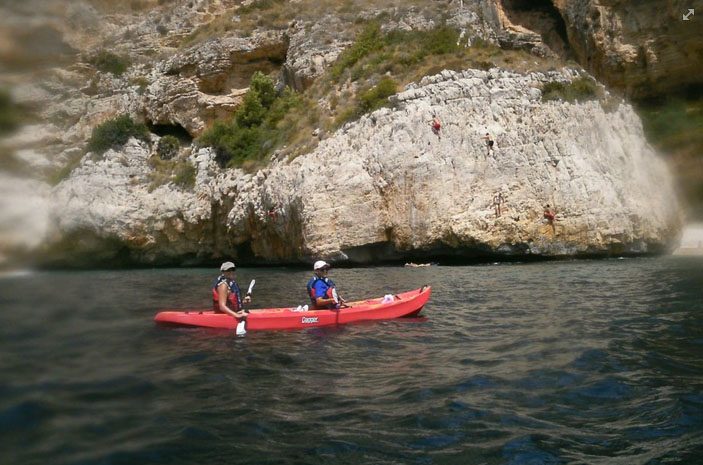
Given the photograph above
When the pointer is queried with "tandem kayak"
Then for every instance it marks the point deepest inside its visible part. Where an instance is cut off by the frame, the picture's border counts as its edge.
(406, 304)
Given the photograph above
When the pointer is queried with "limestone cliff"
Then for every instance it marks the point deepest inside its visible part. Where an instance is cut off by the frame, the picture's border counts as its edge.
(386, 187)
(643, 48)
(383, 187)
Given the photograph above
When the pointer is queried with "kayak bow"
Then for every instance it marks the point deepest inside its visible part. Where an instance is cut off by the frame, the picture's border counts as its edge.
(406, 304)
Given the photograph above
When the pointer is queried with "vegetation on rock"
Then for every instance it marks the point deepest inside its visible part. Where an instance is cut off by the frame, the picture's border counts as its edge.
(379, 63)
(62, 173)
(578, 90)
(115, 133)
(168, 147)
(370, 100)
(251, 132)
(108, 62)
(393, 52)
(178, 171)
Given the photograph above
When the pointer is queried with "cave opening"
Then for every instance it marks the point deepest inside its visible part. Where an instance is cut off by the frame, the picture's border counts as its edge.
(175, 130)
(542, 17)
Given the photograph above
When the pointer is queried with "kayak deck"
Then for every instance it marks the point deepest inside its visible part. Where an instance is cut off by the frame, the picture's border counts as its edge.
(406, 304)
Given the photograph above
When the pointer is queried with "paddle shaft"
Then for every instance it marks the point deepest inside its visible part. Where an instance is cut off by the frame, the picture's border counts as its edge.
(251, 288)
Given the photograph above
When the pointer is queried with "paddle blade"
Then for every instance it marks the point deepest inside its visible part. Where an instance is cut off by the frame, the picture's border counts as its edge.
(335, 296)
(251, 286)
(241, 331)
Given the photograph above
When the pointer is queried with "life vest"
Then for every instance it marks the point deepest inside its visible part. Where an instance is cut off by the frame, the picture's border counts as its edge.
(234, 296)
(328, 292)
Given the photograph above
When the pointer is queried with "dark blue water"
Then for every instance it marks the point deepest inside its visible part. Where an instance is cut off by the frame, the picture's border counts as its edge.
(588, 362)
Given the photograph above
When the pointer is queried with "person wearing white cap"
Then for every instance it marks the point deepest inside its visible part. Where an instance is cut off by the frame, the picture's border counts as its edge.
(321, 289)
(226, 295)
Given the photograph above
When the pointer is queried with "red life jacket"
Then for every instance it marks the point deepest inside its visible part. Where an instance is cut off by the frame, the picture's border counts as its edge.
(233, 295)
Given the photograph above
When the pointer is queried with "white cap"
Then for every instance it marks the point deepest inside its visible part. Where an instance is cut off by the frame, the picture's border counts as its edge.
(227, 266)
(320, 264)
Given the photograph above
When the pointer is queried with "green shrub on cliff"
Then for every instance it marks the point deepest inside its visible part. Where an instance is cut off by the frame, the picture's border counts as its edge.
(438, 41)
(369, 40)
(252, 111)
(114, 133)
(108, 62)
(178, 171)
(374, 52)
(263, 86)
(184, 175)
(168, 147)
(578, 90)
(253, 130)
(377, 96)
(369, 100)
(379, 63)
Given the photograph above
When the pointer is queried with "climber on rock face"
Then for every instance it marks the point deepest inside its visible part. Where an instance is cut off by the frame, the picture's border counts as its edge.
(550, 215)
(489, 143)
(498, 202)
(436, 125)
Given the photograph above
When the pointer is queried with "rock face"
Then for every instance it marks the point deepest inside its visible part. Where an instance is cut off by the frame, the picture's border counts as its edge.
(313, 47)
(398, 190)
(111, 213)
(642, 47)
(386, 187)
(207, 82)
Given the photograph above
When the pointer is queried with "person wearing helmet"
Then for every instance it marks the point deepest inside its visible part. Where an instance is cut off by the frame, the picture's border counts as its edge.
(321, 289)
(226, 295)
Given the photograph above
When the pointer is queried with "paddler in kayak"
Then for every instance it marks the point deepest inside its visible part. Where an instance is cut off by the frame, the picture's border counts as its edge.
(321, 289)
(226, 295)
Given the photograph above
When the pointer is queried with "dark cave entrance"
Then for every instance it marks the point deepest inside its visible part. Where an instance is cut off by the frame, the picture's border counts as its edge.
(175, 130)
(542, 17)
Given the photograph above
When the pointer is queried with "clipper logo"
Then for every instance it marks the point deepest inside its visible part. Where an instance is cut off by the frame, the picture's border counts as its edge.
(309, 319)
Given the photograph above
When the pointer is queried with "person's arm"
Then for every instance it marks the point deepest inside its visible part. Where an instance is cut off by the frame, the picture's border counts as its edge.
(222, 301)
(322, 302)
(320, 291)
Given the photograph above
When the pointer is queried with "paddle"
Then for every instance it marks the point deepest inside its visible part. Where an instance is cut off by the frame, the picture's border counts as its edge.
(241, 330)
(337, 299)
(251, 286)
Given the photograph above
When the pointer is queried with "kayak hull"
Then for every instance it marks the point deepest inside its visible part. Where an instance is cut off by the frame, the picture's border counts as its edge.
(406, 304)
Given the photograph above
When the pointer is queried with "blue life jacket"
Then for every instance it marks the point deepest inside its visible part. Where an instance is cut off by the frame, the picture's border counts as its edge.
(324, 291)
(234, 297)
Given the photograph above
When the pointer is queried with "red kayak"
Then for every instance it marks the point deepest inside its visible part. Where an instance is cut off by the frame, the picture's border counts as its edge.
(406, 304)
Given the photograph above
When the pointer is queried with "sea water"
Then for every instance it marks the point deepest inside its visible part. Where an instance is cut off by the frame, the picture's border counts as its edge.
(584, 362)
